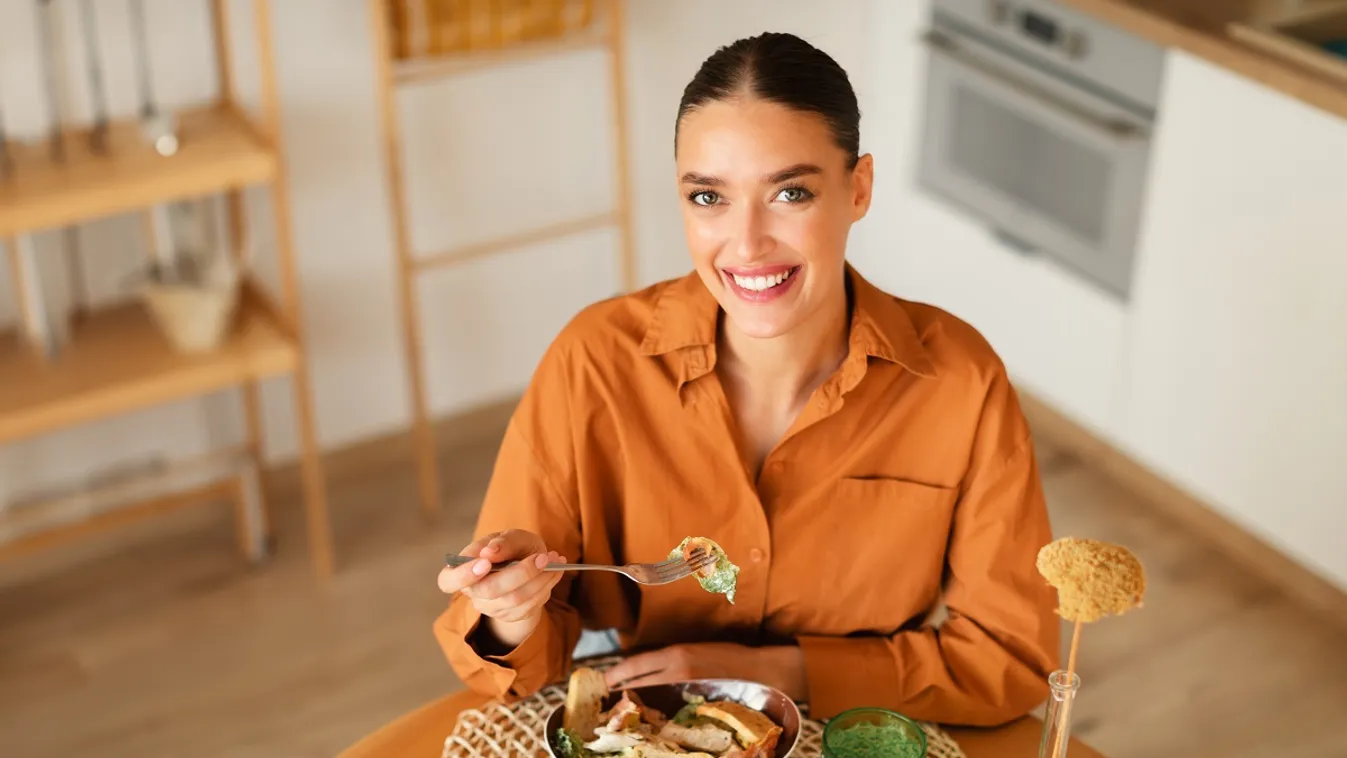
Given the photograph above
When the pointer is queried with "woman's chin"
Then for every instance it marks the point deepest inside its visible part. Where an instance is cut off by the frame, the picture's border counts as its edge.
(762, 326)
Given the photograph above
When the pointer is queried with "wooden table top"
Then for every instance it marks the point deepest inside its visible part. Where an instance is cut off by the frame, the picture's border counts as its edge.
(421, 734)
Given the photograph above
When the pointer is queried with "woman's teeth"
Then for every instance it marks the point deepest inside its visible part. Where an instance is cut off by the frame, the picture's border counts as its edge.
(760, 283)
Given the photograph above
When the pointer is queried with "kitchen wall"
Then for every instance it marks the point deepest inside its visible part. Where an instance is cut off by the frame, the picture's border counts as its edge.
(483, 164)
(480, 164)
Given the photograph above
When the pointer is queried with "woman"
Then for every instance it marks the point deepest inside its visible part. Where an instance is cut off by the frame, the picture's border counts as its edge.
(862, 458)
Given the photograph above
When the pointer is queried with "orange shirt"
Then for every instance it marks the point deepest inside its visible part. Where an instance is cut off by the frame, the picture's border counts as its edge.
(908, 480)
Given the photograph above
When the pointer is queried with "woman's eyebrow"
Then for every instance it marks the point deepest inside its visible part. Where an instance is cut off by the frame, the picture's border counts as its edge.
(701, 180)
(784, 175)
(794, 172)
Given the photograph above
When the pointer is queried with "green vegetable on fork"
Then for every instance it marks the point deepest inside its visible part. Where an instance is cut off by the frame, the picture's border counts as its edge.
(721, 577)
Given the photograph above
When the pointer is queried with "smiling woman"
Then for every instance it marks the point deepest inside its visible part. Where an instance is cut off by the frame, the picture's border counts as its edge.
(861, 459)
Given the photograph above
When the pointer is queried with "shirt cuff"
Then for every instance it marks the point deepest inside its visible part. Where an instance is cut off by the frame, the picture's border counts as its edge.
(848, 672)
(517, 674)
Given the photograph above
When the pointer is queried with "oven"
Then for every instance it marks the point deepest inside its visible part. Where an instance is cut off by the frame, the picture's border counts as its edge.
(1038, 122)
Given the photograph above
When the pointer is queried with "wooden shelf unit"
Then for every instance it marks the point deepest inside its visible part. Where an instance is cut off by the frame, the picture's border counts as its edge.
(117, 360)
(220, 151)
(397, 68)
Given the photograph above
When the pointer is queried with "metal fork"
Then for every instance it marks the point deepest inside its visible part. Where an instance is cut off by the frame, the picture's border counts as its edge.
(667, 572)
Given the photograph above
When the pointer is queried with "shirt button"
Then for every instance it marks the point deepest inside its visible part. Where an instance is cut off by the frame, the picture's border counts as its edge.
(755, 555)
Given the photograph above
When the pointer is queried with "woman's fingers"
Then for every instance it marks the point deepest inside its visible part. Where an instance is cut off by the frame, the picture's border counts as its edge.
(511, 545)
(496, 547)
(506, 581)
(523, 602)
(455, 579)
(644, 668)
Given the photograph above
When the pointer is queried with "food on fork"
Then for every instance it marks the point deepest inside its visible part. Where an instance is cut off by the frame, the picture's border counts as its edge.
(631, 729)
(1093, 579)
(721, 576)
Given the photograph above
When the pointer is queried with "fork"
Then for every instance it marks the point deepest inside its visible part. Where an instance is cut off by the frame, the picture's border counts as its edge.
(667, 572)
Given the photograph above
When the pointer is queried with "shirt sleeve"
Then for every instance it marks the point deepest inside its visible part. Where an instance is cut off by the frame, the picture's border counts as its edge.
(531, 488)
(989, 660)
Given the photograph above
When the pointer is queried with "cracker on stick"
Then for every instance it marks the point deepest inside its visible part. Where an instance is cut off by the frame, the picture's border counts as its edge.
(1093, 579)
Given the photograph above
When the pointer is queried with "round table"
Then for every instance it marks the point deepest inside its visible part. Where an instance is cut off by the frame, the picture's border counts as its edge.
(421, 734)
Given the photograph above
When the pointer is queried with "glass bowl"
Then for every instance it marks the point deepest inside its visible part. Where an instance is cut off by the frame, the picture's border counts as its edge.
(866, 732)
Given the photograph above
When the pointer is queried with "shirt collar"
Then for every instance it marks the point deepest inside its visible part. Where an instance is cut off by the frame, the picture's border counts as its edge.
(686, 315)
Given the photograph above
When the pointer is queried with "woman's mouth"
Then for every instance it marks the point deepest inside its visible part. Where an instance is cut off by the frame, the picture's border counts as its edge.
(762, 284)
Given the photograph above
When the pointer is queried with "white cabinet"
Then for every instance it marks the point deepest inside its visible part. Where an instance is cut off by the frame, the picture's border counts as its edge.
(1061, 338)
(1237, 365)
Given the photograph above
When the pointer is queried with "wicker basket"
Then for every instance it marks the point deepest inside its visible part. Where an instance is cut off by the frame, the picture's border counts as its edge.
(194, 319)
(431, 28)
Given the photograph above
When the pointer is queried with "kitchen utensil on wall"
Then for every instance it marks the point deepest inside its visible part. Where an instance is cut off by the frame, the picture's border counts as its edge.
(6, 160)
(98, 137)
(46, 35)
(157, 128)
(51, 51)
(38, 325)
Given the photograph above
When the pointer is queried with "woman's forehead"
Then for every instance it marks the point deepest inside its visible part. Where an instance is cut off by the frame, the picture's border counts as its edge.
(751, 139)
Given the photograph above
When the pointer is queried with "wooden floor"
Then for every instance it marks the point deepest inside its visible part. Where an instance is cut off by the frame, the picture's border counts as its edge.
(166, 644)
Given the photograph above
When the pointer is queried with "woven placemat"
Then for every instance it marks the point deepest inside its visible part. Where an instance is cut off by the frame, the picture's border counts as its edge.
(516, 730)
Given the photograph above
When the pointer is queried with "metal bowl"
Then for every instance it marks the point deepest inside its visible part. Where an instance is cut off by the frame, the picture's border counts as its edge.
(668, 698)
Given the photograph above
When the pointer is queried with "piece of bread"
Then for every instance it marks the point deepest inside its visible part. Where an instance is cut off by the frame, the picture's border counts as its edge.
(752, 727)
(705, 737)
(584, 702)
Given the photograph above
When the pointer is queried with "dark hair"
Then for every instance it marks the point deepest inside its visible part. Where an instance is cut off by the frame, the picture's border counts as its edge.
(784, 69)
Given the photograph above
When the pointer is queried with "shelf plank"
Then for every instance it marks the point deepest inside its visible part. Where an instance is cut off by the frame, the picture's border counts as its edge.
(219, 150)
(118, 361)
(74, 530)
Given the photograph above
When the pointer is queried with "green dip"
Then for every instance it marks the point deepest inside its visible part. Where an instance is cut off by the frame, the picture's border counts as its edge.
(867, 740)
(569, 745)
(724, 579)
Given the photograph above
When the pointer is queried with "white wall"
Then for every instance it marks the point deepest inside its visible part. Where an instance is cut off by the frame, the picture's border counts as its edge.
(481, 164)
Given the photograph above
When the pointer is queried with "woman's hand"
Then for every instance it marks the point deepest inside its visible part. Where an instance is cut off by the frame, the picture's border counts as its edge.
(512, 600)
(781, 667)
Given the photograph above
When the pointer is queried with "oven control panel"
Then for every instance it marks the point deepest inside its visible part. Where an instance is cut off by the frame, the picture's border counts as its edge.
(1039, 25)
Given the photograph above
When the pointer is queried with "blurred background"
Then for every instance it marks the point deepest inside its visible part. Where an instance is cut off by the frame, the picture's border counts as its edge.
(276, 272)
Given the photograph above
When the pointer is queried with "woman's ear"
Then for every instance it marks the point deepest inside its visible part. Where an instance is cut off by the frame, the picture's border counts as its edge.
(862, 186)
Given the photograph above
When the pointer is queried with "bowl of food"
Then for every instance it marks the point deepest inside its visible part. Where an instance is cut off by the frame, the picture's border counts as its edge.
(865, 732)
(703, 718)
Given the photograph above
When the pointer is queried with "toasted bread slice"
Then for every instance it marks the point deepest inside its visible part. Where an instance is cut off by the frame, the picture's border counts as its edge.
(584, 702)
(707, 738)
(753, 728)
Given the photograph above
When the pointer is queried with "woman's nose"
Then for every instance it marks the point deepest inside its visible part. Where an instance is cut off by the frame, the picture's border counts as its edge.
(753, 242)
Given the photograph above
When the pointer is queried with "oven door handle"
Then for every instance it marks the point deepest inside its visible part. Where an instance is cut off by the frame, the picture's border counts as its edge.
(948, 46)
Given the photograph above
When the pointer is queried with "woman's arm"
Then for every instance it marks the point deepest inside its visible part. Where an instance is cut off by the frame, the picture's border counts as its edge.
(988, 662)
(532, 489)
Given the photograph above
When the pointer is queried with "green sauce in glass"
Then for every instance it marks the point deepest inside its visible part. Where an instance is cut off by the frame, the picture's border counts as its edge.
(724, 579)
(864, 740)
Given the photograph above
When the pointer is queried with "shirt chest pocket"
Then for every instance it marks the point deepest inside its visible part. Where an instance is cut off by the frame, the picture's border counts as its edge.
(890, 536)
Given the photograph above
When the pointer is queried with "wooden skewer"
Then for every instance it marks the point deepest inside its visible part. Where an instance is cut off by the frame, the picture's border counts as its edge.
(1071, 656)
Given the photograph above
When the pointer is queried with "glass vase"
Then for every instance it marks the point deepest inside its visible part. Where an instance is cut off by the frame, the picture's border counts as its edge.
(1057, 718)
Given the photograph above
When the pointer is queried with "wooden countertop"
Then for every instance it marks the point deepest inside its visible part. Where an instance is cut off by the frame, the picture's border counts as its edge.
(1200, 27)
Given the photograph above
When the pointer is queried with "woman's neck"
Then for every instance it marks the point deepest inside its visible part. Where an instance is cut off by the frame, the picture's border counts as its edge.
(785, 370)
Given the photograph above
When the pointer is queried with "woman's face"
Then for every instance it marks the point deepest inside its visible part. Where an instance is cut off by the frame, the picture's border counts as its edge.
(768, 202)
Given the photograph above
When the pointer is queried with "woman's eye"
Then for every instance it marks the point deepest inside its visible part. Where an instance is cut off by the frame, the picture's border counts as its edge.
(705, 197)
(793, 195)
